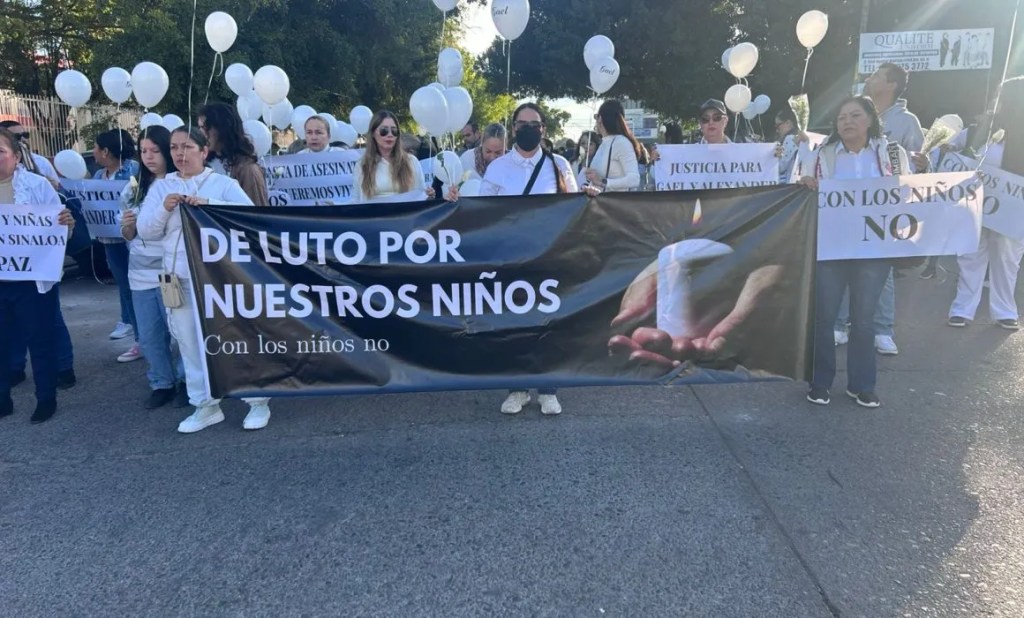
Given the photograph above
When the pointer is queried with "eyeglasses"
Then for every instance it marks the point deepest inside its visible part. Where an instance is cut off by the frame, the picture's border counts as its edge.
(710, 119)
(522, 124)
(385, 131)
(22, 135)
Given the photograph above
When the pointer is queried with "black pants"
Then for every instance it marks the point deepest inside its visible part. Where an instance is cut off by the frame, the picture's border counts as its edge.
(25, 311)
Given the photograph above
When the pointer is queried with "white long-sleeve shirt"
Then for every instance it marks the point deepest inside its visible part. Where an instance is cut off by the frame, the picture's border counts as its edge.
(385, 186)
(623, 173)
(157, 223)
(510, 173)
(33, 189)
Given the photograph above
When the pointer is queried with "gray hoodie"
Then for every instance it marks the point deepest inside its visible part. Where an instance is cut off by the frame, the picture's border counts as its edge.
(903, 127)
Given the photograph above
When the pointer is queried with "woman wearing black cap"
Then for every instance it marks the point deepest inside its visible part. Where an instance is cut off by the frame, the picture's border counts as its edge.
(714, 118)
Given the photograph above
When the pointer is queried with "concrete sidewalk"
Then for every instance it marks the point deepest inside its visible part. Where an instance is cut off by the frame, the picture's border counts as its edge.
(705, 501)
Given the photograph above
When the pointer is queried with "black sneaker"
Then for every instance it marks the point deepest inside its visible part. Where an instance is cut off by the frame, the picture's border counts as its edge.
(160, 397)
(66, 379)
(6, 407)
(957, 321)
(868, 400)
(1009, 324)
(181, 398)
(17, 377)
(819, 396)
(44, 411)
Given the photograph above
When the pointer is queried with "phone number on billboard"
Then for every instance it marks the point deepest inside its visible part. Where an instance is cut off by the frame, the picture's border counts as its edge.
(871, 67)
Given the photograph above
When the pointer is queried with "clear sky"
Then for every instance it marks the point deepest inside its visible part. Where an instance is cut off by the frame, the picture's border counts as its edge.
(477, 39)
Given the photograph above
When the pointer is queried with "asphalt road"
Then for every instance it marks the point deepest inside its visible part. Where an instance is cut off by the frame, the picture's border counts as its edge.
(706, 501)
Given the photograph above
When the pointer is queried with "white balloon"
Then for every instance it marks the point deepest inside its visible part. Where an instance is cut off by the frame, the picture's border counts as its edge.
(150, 119)
(347, 134)
(725, 58)
(597, 48)
(743, 59)
(811, 28)
(221, 31)
(332, 125)
(271, 84)
(279, 115)
(149, 84)
(470, 188)
(360, 117)
(249, 106)
(510, 17)
(430, 110)
(460, 107)
(762, 103)
(259, 135)
(437, 85)
(737, 98)
(449, 67)
(117, 84)
(239, 78)
(172, 122)
(71, 165)
(447, 167)
(73, 88)
(300, 115)
(446, 5)
(604, 75)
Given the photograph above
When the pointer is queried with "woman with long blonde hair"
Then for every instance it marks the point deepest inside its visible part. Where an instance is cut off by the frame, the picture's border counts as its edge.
(385, 169)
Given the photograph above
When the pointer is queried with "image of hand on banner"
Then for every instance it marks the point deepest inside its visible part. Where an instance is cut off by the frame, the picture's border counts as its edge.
(117, 84)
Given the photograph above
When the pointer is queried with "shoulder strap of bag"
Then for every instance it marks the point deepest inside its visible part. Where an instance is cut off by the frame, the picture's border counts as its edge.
(536, 172)
(608, 169)
(181, 232)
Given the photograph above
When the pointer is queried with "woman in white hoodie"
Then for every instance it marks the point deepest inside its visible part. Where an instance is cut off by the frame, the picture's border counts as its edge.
(192, 185)
(29, 308)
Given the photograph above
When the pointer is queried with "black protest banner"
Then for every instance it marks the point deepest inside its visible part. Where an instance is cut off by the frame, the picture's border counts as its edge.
(630, 288)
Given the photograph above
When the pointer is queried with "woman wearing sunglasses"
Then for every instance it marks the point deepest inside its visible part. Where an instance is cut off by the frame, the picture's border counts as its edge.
(713, 121)
(386, 169)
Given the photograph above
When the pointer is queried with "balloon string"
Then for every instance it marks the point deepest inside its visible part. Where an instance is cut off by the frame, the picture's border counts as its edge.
(192, 61)
(999, 92)
(807, 63)
(508, 77)
(213, 72)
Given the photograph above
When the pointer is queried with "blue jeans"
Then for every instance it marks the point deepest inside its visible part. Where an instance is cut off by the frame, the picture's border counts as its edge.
(65, 351)
(885, 313)
(165, 368)
(25, 311)
(865, 279)
(117, 259)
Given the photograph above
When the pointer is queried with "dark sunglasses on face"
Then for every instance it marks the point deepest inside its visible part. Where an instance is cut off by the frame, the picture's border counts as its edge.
(710, 119)
(532, 124)
(22, 135)
(385, 131)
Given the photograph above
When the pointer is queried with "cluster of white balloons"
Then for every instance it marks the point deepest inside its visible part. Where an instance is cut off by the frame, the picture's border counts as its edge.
(760, 105)
(599, 54)
(169, 122)
(739, 61)
(443, 106)
(148, 82)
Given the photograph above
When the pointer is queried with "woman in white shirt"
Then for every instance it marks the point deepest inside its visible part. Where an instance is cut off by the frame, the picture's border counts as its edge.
(193, 185)
(855, 149)
(615, 166)
(492, 145)
(385, 169)
(318, 136)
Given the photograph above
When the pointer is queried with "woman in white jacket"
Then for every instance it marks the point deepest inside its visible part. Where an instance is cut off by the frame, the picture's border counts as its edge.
(194, 185)
(855, 149)
(28, 308)
(615, 166)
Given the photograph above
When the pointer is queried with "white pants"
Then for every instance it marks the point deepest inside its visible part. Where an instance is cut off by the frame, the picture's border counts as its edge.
(1000, 256)
(185, 330)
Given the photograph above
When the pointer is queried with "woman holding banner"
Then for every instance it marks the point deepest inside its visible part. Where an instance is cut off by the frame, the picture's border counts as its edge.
(29, 308)
(145, 265)
(192, 185)
(615, 166)
(788, 134)
(232, 151)
(492, 145)
(114, 151)
(318, 136)
(998, 255)
(385, 170)
(855, 149)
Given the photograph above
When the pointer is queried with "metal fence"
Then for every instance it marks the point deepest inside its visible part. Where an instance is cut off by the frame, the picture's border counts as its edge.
(53, 126)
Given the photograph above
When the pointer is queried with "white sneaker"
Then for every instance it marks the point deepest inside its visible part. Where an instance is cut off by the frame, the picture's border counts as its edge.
(549, 405)
(134, 353)
(842, 337)
(515, 401)
(121, 331)
(885, 345)
(201, 419)
(258, 416)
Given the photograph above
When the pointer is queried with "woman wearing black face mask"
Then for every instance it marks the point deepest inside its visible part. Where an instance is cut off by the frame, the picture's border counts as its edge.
(527, 169)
